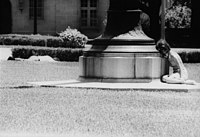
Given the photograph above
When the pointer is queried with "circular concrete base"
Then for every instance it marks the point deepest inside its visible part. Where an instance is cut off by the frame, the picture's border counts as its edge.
(122, 67)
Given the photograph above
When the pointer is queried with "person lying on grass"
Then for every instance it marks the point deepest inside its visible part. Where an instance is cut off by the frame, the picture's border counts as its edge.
(35, 58)
(180, 74)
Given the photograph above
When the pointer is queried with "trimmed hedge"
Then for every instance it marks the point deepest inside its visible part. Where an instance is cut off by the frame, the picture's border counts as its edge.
(189, 55)
(33, 40)
(37, 40)
(69, 54)
(62, 54)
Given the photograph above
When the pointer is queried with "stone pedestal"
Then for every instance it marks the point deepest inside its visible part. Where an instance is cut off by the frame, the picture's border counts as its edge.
(122, 54)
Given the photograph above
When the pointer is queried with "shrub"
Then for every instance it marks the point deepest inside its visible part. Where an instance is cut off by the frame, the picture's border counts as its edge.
(182, 2)
(73, 38)
(178, 16)
(189, 56)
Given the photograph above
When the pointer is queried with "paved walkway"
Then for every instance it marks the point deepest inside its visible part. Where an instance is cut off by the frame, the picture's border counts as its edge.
(155, 85)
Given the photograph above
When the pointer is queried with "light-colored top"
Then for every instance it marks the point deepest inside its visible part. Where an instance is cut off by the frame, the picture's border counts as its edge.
(177, 65)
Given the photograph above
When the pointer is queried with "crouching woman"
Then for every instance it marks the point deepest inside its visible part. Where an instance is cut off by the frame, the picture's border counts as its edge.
(180, 74)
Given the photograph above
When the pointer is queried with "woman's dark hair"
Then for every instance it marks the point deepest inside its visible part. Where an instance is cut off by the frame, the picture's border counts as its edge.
(162, 45)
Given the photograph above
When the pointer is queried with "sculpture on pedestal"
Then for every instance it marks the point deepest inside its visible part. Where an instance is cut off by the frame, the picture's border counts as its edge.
(119, 23)
(124, 53)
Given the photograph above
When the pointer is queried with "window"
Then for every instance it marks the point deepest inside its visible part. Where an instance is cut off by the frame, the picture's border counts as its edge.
(89, 13)
(40, 9)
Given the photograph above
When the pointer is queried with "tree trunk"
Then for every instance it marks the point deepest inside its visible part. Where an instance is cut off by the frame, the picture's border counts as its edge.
(195, 23)
(5, 17)
(35, 17)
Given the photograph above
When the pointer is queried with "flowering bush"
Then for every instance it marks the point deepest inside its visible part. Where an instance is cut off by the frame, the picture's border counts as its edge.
(178, 17)
(73, 38)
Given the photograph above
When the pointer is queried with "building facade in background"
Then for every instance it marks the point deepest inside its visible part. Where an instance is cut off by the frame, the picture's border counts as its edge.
(54, 16)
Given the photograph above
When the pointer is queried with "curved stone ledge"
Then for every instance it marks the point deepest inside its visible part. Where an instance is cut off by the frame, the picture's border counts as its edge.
(121, 49)
(130, 68)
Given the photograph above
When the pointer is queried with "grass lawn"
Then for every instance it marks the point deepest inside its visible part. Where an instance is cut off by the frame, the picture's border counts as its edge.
(91, 112)
(16, 73)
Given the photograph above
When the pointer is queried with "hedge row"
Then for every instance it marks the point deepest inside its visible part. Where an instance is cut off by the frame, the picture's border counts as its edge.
(189, 56)
(62, 54)
(36, 40)
(69, 54)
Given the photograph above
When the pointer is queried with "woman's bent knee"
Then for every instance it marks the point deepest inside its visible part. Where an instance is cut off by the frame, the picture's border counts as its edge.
(165, 78)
